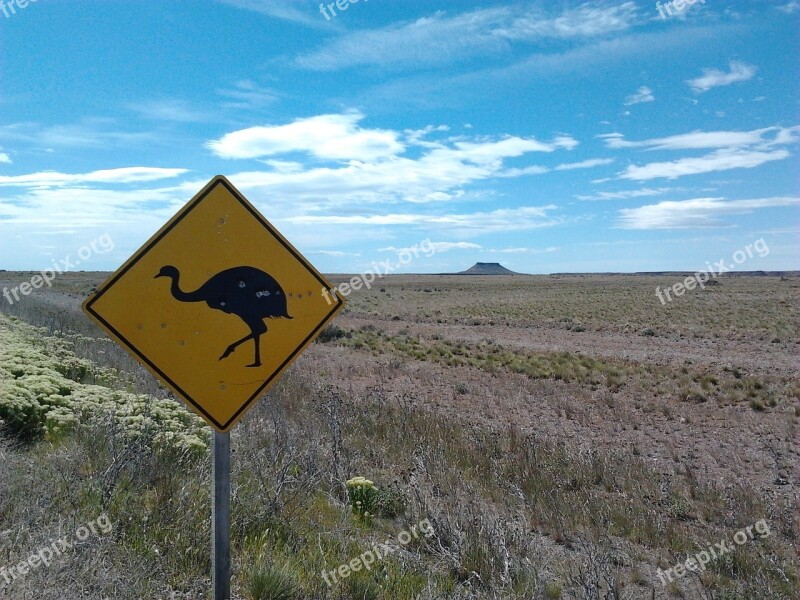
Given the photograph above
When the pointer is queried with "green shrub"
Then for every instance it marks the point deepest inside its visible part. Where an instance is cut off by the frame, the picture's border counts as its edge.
(552, 590)
(363, 589)
(270, 583)
(391, 502)
(332, 333)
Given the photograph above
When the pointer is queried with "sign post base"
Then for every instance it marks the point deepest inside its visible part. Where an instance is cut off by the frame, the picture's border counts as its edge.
(221, 528)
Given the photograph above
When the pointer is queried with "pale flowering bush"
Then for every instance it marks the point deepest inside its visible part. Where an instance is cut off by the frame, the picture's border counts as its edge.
(42, 394)
(363, 495)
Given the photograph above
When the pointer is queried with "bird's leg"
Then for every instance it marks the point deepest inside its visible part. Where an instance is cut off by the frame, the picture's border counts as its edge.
(257, 340)
(235, 345)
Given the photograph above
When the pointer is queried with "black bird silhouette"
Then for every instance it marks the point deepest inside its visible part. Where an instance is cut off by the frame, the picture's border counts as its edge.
(247, 292)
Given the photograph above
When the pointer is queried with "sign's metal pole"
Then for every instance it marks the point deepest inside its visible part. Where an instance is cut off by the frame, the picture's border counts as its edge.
(221, 527)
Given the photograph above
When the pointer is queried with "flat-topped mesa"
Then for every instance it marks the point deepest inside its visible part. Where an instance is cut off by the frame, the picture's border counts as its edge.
(482, 268)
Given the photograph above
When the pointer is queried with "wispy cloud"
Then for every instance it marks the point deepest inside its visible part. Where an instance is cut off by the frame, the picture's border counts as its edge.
(700, 140)
(438, 247)
(644, 192)
(515, 219)
(444, 38)
(696, 213)
(645, 94)
(721, 160)
(334, 253)
(89, 133)
(553, 61)
(713, 78)
(790, 8)
(540, 170)
(294, 11)
(733, 150)
(247, 94)
(525, 250)
(125, 175)
(168, 109)
(5, 158)
(59, 204)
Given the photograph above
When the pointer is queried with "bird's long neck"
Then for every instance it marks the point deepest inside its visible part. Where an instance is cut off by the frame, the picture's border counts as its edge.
(182, 296)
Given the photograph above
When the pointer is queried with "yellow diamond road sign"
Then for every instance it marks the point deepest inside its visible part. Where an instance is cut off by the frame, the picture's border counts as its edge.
(217, 304)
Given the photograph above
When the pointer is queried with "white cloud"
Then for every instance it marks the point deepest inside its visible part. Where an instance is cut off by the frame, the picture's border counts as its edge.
(125, 175)
(5, 158)
(443, 38)
(284, 166)
(713, 78)
(417, 136)
(790, 8)
(332, 136)
(376, 165)
(436, 175)
(486, 153)
(586, 164)
(523, 171)
(645, 94)
(540, 170)
(696, 213)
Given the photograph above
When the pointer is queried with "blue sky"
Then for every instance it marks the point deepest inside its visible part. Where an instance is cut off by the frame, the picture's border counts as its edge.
(548, 136)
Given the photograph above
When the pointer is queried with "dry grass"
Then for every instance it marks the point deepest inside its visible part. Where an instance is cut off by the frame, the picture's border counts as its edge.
(520, 511)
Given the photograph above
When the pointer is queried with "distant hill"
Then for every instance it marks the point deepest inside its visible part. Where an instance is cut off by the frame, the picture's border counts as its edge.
(487, 269)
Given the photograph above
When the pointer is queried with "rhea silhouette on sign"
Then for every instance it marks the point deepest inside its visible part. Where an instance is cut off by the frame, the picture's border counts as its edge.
(247, 292)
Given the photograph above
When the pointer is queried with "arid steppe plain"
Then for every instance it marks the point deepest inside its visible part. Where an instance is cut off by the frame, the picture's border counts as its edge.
(567, 436)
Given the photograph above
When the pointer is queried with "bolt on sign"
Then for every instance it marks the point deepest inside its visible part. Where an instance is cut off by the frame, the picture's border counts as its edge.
(217, 304)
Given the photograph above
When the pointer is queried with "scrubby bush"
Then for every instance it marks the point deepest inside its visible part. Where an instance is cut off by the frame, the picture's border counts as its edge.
(363, 495)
